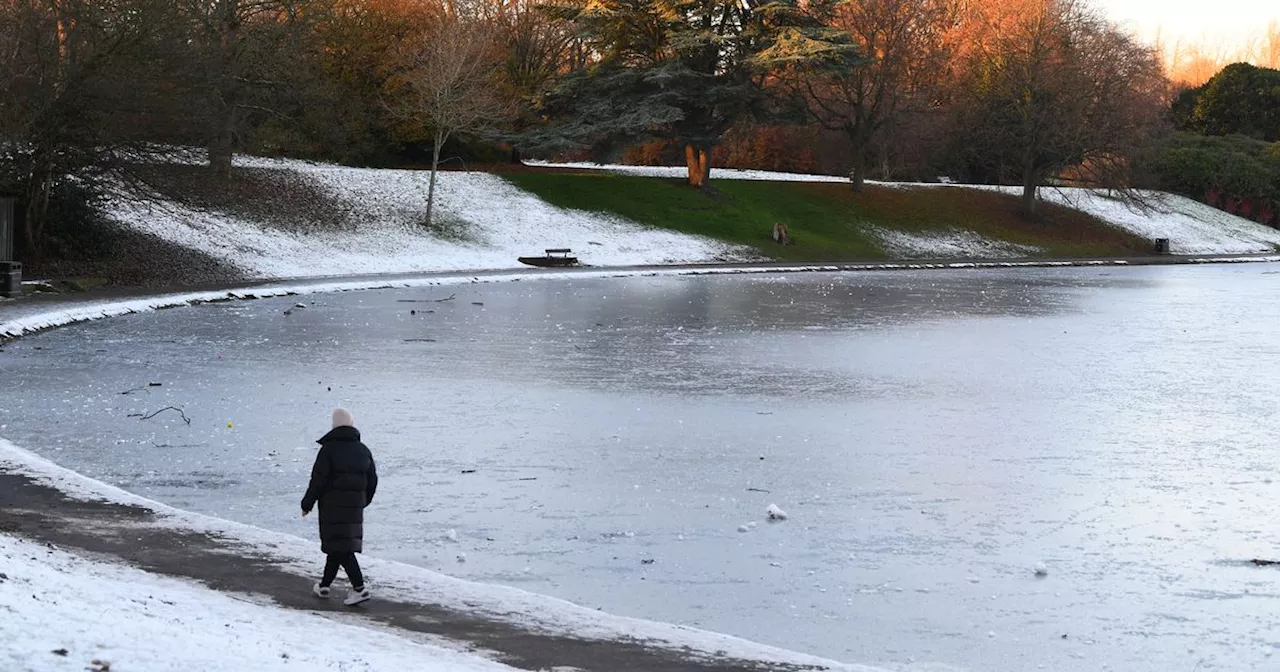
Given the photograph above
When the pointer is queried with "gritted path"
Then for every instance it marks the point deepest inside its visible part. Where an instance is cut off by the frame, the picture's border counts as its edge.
(42, 513)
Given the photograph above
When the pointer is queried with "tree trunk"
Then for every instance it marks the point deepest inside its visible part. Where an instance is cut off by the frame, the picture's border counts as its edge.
(221, 148)
(1029, 196)
(691, 165)
(698, 164)
(224, 87)
(39, 188)
(435, 163)
(858, 176)
(858, 173)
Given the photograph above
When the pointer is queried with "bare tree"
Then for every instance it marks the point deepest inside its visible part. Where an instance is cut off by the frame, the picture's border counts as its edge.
(1050, 85)
(905, 54)
(1268, 49)
(77, 79)
(244, 55)
(447, 83)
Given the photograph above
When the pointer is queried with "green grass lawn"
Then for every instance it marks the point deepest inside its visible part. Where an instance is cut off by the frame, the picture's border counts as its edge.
(828, 221)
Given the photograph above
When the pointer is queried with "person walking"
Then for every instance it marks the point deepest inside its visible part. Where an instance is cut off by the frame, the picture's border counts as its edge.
(343, 482)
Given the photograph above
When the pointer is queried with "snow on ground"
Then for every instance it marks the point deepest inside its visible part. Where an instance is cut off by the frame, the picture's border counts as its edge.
(127, 619)
(1191, 227)
(500, 221)
(538, 612)
(680, 171)
(953, 243)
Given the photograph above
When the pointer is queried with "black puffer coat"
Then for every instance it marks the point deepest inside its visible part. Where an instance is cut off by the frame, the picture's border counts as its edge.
(343, 481)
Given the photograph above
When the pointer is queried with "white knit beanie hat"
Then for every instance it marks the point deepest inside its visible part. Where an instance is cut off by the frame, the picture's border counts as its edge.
(342, 418)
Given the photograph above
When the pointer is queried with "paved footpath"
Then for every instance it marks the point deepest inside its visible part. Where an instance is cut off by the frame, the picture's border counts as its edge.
(136, 536)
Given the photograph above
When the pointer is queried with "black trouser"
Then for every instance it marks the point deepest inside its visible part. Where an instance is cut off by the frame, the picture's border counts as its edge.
(348, 563)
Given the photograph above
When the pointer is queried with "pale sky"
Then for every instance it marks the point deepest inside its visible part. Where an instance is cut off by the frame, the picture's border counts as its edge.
(1194, 20)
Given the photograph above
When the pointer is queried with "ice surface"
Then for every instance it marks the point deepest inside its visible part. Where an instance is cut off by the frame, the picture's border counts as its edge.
(923, 428)
(29, 320)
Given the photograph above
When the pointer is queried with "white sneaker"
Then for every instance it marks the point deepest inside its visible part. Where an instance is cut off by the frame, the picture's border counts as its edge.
(320, 591)
(355, 597)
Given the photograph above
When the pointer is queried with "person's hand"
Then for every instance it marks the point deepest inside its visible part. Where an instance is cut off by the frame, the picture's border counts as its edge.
(304, 513)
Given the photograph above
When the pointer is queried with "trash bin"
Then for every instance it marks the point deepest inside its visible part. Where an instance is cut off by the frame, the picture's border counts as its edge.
(10, 278)
(1162, 246)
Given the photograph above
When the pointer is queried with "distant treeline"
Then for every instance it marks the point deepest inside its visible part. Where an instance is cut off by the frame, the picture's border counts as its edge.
(1023, 92)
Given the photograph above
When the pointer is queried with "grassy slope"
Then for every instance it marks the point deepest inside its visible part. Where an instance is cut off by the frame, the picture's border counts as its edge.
(826, 219)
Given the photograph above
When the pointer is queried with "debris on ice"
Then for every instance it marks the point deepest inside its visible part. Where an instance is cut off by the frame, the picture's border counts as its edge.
(775, 514)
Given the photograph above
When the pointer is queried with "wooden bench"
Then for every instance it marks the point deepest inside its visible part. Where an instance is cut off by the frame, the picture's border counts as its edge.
(555, 256)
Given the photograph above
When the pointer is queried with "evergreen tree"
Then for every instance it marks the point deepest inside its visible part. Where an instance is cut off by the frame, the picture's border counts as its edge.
(684, 70)
(1241, 99)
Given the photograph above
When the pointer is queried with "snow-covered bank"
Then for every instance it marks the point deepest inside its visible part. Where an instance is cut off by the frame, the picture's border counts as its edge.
(1191, 227)
(537, 612)
(382, 233)
(948, 244)
(64, 612)
(486, 222)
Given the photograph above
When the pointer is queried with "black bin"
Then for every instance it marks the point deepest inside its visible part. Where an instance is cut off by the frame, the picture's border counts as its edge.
(10, 278)
(1162, 246)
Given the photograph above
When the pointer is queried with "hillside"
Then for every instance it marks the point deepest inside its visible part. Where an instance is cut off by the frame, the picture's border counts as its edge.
(1077, 221)
(281, 219)
(829, 222)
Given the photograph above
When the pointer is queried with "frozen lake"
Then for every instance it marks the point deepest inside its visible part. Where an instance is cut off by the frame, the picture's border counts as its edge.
(933, 436)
